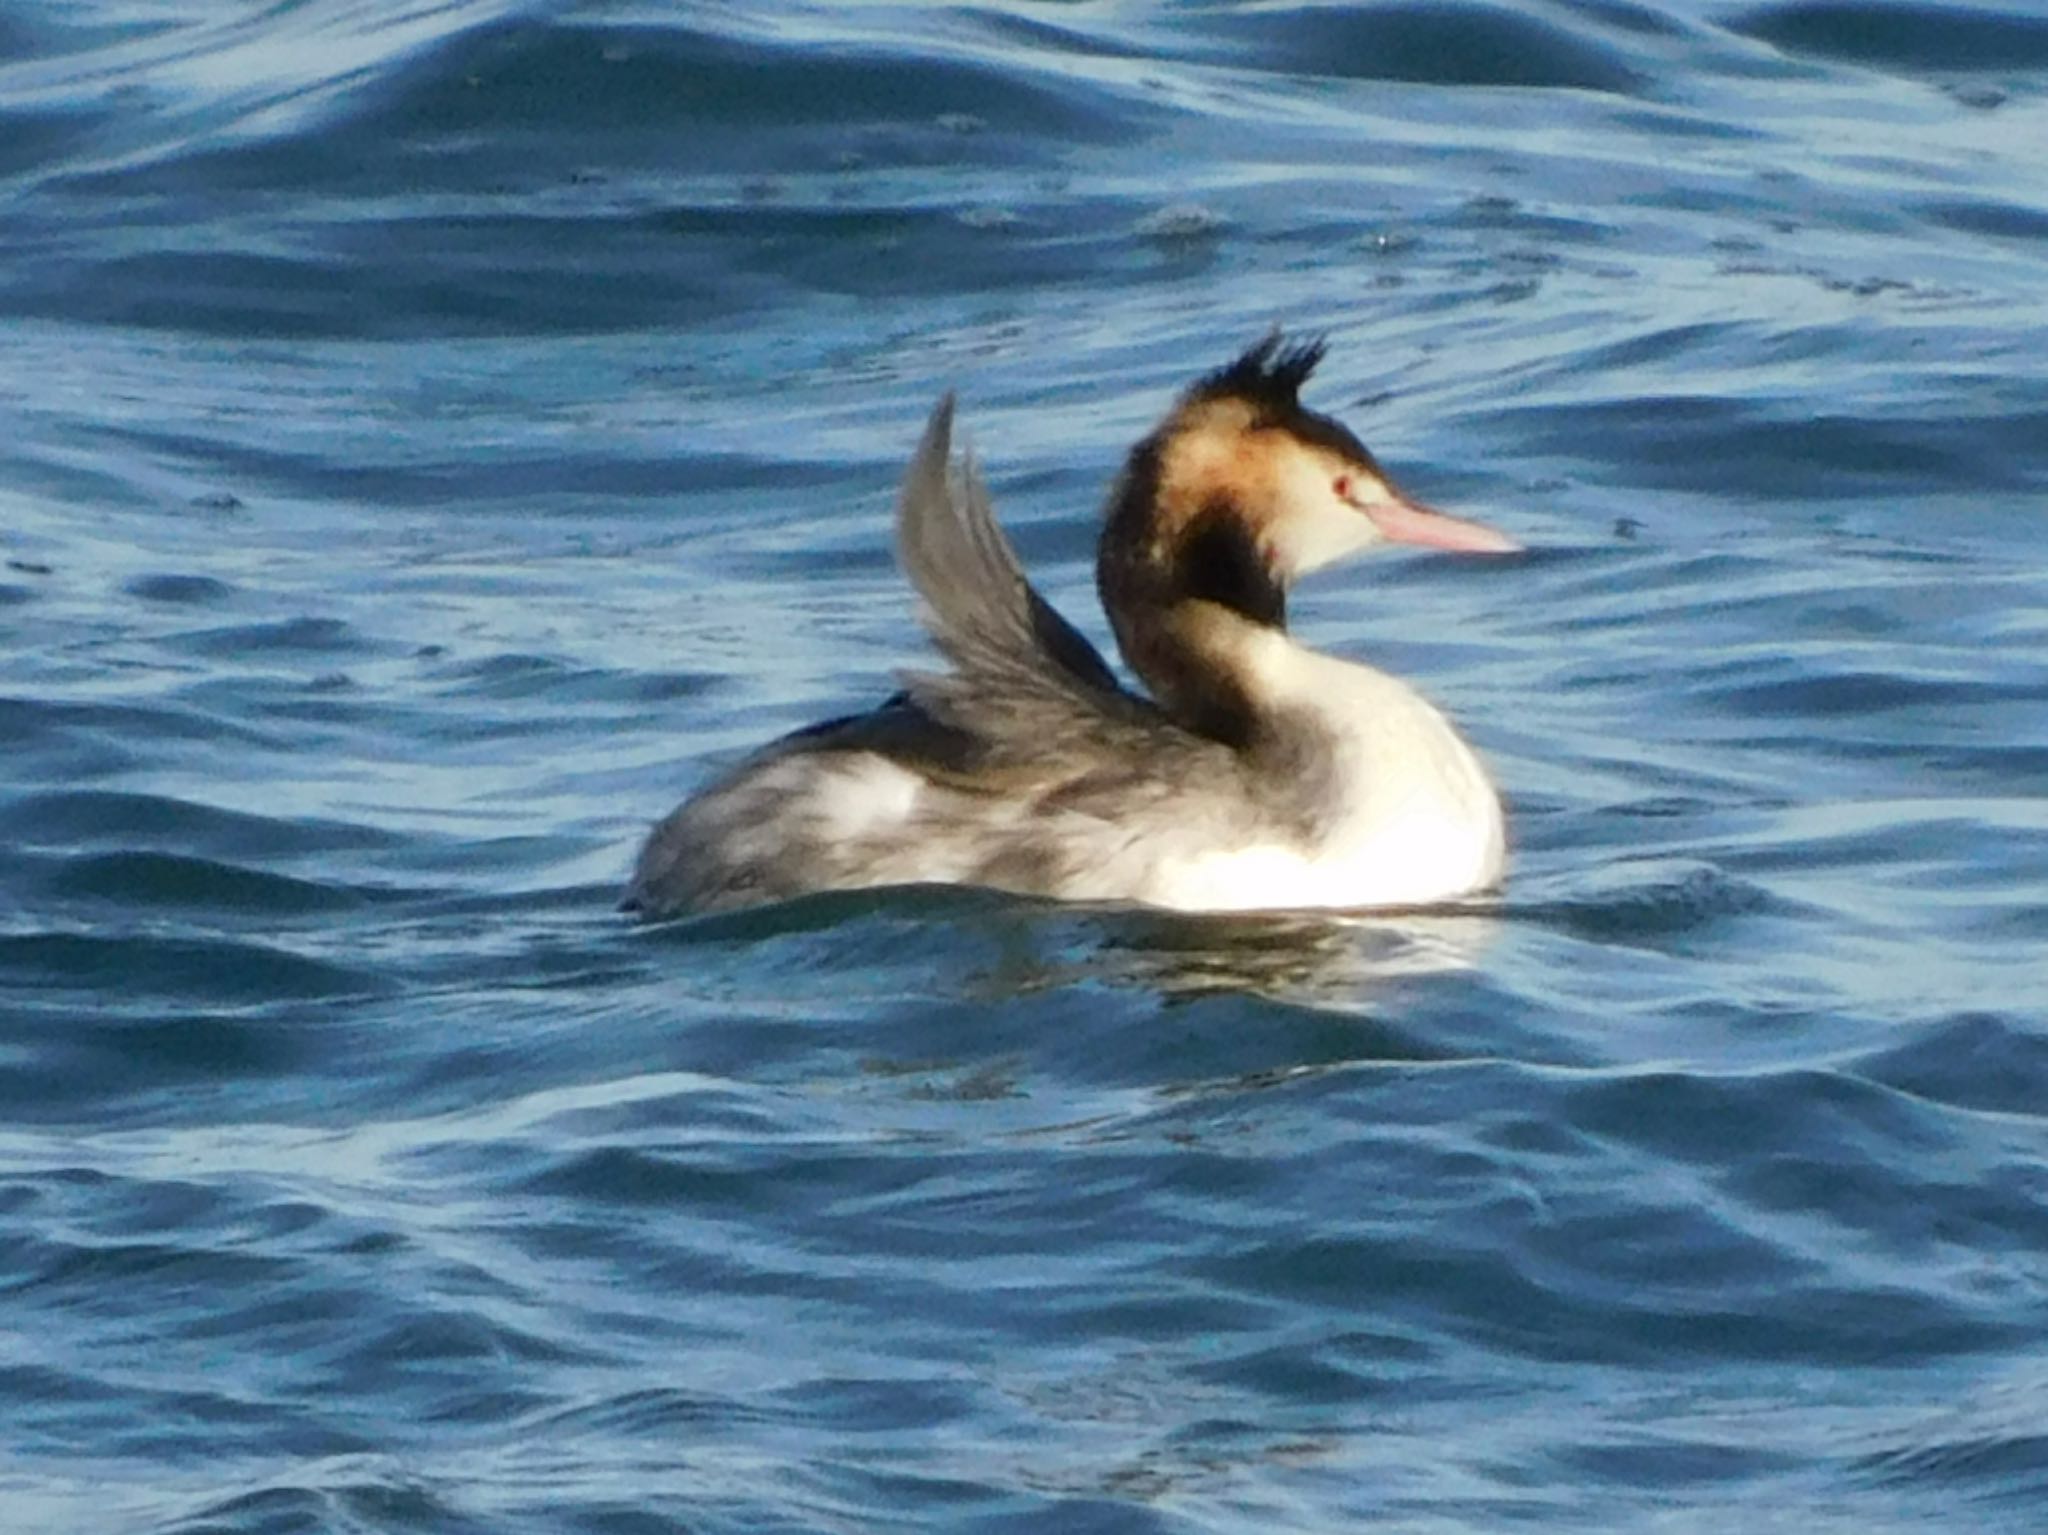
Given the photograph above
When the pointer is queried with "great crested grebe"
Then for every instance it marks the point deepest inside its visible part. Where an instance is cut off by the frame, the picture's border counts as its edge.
(1259, 774)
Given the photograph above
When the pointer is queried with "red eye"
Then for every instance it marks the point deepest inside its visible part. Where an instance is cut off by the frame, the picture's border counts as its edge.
(1342, 487)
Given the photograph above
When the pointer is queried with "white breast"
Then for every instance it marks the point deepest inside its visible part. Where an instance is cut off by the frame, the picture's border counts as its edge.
(1419, 819)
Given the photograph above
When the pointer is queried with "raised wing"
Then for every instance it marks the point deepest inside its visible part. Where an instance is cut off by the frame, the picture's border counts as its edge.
(978, 605)
(1028, 700)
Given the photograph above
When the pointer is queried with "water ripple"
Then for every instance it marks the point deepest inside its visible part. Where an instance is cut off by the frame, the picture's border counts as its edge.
(1910, 38)
(437, 435)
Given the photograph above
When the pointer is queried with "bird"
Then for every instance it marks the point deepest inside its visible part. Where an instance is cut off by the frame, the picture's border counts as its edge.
(1251, 773)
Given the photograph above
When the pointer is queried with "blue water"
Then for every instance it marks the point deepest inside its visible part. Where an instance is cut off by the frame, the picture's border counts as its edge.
(434, 436)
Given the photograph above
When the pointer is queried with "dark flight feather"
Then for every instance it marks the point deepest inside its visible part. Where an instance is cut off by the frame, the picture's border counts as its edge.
(1020, 671)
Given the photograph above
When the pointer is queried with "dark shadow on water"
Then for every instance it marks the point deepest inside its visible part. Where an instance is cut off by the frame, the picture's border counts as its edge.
(1299, 954)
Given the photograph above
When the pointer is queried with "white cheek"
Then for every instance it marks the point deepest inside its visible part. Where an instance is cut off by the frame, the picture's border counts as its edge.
(1315, 527)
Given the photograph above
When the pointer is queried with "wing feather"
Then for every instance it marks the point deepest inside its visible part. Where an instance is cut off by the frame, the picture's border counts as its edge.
(978, 603)
(1028, 700)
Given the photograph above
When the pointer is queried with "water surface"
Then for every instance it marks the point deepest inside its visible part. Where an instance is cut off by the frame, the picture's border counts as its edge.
(433, 437)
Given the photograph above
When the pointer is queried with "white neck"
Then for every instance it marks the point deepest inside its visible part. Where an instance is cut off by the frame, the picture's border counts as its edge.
(1416, 819)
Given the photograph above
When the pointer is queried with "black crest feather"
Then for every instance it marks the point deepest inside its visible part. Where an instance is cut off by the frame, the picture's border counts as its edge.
(1268, 376)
